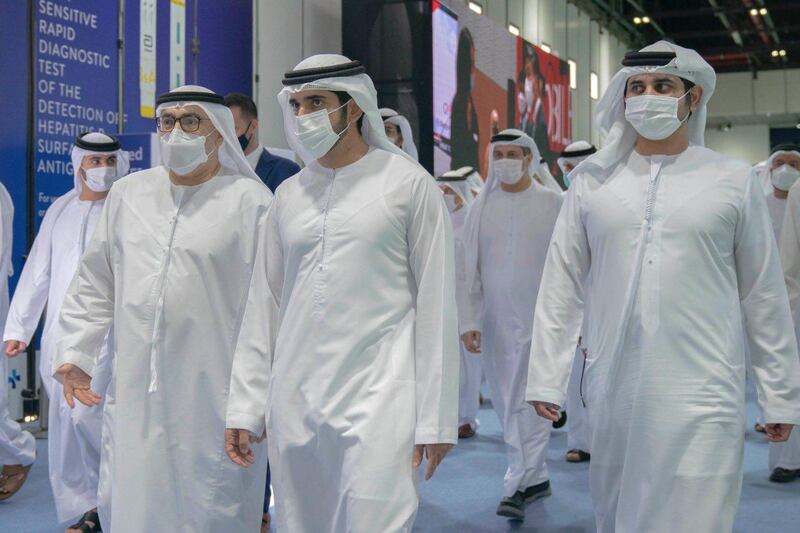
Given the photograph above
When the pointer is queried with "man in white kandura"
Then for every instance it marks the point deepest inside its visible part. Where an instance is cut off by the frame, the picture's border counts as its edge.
(572, 156)
(457, 191)
(784, 457)
(17, 447)
(783, 169)
(359, 372)
(398, 130)
(579, 435)
(170, 265)
(74, 436)
(669, 244)
(506, 236)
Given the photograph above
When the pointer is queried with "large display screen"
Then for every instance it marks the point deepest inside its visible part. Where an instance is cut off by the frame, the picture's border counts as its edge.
(485, 80)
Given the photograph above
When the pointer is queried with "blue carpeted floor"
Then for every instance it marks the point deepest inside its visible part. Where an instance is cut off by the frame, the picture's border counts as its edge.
(463, 495)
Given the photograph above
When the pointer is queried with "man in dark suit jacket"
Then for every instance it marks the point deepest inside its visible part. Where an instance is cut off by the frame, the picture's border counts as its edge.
(272, 169)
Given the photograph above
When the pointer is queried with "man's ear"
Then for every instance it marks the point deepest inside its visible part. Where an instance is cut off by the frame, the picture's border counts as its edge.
(353, 111)
(696, 94)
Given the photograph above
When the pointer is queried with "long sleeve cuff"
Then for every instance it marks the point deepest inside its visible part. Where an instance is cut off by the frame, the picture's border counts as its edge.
(785, 415)
(255, 424)
(82, 361)
(468, 326)
(542, 394)
(443, 435)
(13, 333)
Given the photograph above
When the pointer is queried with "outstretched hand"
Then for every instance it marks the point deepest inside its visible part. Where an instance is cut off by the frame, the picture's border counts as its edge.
(77, 384)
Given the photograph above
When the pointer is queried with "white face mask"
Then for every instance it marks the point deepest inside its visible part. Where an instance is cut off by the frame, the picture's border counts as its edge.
(315, 131)
(508, 171)
(100, 179)
(654, 117)
(784, 177)
(183, 152)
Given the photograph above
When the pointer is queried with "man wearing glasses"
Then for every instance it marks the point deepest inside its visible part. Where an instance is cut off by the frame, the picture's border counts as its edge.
(170, 265)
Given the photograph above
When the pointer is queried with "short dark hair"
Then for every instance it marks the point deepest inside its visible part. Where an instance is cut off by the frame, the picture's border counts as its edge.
(345, 97)
(243, 102)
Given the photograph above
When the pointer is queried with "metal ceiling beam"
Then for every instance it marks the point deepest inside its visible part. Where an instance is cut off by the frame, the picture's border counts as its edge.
(711, 11)
(613, 19)
(720, 33)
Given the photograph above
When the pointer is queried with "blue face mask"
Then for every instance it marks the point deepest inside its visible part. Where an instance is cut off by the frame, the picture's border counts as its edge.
(244, 142)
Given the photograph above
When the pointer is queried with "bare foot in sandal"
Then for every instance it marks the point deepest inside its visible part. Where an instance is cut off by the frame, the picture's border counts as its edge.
(89, 523)
(12, 479)
(577, 456)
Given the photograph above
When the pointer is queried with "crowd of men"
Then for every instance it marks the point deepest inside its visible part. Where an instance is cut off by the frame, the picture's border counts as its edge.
(228, 322)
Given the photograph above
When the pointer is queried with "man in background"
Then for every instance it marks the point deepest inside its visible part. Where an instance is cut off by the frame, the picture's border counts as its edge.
(271, 168)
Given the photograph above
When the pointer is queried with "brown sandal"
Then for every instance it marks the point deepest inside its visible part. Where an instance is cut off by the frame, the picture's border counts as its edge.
(9, 473)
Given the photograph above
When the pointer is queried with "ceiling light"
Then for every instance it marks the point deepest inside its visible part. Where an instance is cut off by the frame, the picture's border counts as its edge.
(754, 12)
(762, 11)
(594, 86)
(646, 19)
(513, 30)
(545, 47)
(774, 53)
(637, 20)
(476, 7)
(782, 53)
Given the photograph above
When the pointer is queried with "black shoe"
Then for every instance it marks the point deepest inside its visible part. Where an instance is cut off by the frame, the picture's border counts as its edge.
(536, 492)
(561, 421)
(513, 507)
(783, 475)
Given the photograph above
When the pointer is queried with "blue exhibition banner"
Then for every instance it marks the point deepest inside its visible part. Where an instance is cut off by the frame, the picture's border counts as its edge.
(15, 120)
(75, 86)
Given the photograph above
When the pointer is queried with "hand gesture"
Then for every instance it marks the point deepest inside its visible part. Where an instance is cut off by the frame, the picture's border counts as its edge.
(77, 384)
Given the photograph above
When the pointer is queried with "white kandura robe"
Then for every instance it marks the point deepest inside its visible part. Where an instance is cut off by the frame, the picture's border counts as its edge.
(777, 211)
(16, 446)
(787, 454)
(74, 435)
(579, 431)
(365, 363)
(674, 250)
(170, 267)
(471, 369)
(515, 230)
